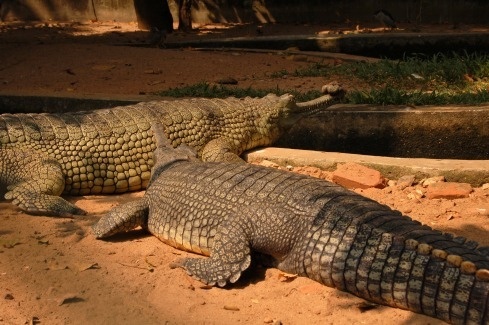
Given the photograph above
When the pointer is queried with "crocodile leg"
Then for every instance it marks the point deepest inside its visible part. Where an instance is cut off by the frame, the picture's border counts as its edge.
(221, 150)
(124, 217)
(230, 256)
(36, 183)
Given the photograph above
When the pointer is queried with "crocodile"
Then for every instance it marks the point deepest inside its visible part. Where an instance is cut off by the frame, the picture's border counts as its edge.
(306, 226)
(43, 156)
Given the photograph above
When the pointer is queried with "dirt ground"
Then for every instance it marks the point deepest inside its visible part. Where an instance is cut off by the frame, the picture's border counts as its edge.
(53, 271)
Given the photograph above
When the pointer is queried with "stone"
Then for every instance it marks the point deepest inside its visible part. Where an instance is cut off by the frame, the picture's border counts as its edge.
(448, 190)
(405, 181)
(432, 180)
(268, 163)
(333, 88)
(352, 175)
(311, 171)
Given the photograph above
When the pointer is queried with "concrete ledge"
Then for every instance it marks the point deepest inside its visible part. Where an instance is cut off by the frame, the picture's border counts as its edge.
(444, 132)
(379, 45)
(474, 172)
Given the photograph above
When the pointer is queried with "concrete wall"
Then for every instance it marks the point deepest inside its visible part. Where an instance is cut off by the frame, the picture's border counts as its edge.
(205, 11)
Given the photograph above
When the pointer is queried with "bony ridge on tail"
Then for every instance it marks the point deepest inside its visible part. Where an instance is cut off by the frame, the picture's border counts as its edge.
(308, 227)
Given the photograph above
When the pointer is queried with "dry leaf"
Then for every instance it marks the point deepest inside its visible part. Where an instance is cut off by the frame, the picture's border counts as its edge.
(43, 242)
(286, 277)
(34, 321)
(11, 244)
(366, 306)
(68, 299)
(88, 266)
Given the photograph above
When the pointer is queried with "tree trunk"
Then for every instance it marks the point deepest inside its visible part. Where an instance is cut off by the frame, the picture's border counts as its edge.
(153, 14)
(185, 15)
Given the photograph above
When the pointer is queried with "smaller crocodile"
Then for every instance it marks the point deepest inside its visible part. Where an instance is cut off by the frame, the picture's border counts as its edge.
(308, 227)
(111, 150)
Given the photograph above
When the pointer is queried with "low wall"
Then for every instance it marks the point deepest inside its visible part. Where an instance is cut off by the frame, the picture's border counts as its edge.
(206, 11)
(447, 132)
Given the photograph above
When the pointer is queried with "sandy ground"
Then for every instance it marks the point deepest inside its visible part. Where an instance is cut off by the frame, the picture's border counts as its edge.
(53, 271)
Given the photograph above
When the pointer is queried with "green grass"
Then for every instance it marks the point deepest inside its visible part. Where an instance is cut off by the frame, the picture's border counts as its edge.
(429, 73)
(436, 80)
(393, 96)
(204, 89)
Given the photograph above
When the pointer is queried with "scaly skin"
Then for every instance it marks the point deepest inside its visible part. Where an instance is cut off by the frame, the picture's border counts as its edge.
(111, 151)
(309, 227)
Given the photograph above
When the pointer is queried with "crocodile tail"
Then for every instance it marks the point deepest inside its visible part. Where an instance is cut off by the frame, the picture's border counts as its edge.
(364, 248)
(165, 155)
(407, 274)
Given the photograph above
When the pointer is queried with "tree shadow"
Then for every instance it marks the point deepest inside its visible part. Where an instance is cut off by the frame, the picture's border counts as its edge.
(132, 235)
(39, 10)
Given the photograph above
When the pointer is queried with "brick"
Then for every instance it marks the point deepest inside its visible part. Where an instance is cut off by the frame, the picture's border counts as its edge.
(448, 190)
(351, 175)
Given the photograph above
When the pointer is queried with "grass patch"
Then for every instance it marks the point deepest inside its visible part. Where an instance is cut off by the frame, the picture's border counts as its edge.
(454, 71)
(393, 96)
(436, 80)
(204, 89)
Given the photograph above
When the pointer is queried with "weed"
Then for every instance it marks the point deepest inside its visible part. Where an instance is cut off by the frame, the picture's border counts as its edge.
(204, 89)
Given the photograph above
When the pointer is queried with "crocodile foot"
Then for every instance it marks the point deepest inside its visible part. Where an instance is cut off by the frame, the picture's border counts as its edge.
(212, 271)
(44, 204)
(122, 218)
(229, 257)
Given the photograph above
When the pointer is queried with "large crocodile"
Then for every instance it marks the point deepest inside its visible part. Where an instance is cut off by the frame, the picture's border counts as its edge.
(110, 150)
(309, 227)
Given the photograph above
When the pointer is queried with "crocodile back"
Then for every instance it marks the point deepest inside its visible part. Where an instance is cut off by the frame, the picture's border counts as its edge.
(317, 229)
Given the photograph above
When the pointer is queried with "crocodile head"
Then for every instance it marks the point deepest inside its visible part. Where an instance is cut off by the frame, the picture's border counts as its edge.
(289, 111)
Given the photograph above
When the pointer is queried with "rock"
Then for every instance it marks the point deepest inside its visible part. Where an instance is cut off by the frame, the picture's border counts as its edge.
(311, 171)
(268, 163)
(485, 186)
(231, 307)
(415, 195)
(333, 88)
(351, 175)
(391, 183)
(405, 181)
(448, 190)
(432, 180)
